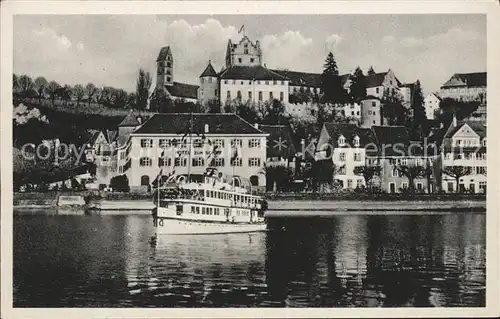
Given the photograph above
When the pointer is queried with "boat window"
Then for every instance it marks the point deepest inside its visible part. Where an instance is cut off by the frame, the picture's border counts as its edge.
(203, 210)
(192, 210)
(197, 210)
(211, 211)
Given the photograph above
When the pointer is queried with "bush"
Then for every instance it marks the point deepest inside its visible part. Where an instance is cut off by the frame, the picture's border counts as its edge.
(119, 183)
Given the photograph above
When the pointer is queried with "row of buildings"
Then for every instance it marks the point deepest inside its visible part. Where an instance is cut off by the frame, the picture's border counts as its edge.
(244, 77)
(242, 151)
(142, 150)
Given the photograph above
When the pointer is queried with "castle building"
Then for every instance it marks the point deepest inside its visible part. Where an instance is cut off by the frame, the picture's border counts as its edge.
(245, 79)
(465, 86)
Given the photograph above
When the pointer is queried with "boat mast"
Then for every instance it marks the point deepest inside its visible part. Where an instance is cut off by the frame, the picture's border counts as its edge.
(190, 146)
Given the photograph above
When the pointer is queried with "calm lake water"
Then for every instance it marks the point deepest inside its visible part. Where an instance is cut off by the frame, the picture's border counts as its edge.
(342, 261)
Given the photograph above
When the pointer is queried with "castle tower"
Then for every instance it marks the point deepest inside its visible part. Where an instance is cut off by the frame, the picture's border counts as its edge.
(243, 53)
(165, 68)
(208, 85)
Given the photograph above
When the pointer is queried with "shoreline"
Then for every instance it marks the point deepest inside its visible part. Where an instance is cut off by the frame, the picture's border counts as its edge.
(277, 205)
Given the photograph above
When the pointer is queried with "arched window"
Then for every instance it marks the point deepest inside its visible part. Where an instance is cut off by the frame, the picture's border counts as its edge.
(144, 180)
(254, 180)
(238, 95)
(341, 140)
(236, 181)
(356, 141)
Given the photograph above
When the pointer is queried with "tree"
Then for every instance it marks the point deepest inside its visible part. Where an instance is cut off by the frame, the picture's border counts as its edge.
(78, 92)
(65, 93)
(457, 172)
(53, 89)
(213, 106)
(26, 86)
(278, 178)
(91, 92)
(119, 98)
(119, 183)
(248, 111)
(371, 71)
(411, 172)
(160, 102)
(40, 88)
(368, 172)
(274, 113)
(331, 82)
(15, 84)
(461, 109)
(393, 110)
(419, 125)
(142, 89)
(131, 100)
(100, 96)
(358, 85)
(107, 95)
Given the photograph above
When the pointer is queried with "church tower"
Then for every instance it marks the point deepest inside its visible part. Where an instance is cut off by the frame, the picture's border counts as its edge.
(165, 68)
(208, 85)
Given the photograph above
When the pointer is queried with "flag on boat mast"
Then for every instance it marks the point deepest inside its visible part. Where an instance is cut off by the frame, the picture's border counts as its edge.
(242, 29)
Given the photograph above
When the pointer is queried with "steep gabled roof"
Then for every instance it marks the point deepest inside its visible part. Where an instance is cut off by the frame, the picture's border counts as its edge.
(209, 71)
(182, 90)
(301, 78)
(349, 131)
(306, 78)
(467, 79)
(392, 140)
(129, 120)
(375, 80)
(179, 123)
(164, 52)
(280, 141)
(477, 127)
(109, 136)
(257, 72)
(436, 95)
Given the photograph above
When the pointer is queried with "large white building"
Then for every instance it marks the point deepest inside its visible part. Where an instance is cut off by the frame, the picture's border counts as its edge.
(465, 86)
(431, 105)
(345, 145)
(464, 145)
(225, 141)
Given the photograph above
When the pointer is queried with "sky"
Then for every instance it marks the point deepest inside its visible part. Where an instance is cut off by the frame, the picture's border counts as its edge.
(108, 50)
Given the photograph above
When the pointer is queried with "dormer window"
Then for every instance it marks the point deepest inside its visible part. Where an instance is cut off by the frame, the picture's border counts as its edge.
(484, 141)
(341, 140)
(356, 141)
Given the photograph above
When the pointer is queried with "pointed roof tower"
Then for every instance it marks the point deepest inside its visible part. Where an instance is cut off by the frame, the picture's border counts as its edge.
(209, 71)
(164, 52)
(129, 120)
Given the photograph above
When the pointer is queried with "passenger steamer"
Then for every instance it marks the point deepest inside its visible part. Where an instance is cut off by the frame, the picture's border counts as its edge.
(209, 207)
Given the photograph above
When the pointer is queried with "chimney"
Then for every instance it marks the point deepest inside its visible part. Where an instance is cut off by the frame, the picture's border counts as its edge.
(454, 122)
(441, 125)
(206, 128)
(139, 119)
(256, 125)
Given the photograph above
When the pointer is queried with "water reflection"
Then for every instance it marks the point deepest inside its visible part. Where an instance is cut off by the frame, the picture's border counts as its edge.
(346, 261)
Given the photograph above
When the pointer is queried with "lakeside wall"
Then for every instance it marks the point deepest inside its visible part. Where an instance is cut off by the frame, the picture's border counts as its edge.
(280, 204)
